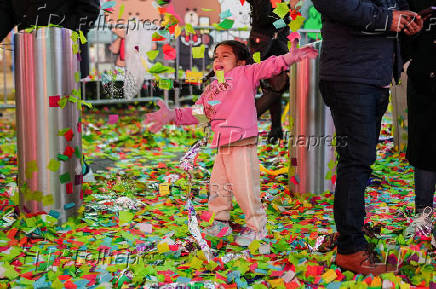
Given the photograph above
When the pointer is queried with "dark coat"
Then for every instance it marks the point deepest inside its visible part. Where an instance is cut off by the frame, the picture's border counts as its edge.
(421, 92)
(72, 14)
(357, 45)
(264, 37)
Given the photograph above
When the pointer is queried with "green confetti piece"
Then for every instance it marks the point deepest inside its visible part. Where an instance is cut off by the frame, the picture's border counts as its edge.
(72, 99)
(152, 54)
(125, 217)
(62, 132)
(63, 102)
(165, 84)
(65, 178)
(226, 24)
(10, 272)
(87, 104)
(62, 157)
(76, 92)
(77, 152)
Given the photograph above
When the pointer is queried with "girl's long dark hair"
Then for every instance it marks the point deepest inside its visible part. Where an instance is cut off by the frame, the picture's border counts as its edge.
(239, 49)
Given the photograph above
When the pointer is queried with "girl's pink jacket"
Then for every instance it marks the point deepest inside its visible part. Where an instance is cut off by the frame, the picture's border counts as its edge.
(230, 106)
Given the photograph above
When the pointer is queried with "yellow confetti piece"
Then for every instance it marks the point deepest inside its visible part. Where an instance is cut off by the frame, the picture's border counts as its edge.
(194, 77)
(256, 57)
(144, 63)
(164, 189)
(35, 196)
(75, 48)
(220, 76)
(254, 245)
(177, 31)
(77, 76)
(196, 263)
(15, 197)
(277, 283)
(281, 10)
(31, 167)
(198, 52)
(329, 276)
(163, 247)
(53, 165)
(376, 282)
(297, 23)
(189, 29)
(120, 14)
(82, 37)
(125, 217)
(74, 36)
(47, 200)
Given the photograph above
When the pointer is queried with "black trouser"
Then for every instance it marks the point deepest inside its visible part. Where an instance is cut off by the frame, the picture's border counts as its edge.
(357, 111)
(425, 182)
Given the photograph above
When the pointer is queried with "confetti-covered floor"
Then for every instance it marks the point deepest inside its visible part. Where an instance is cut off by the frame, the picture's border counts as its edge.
(132, 235)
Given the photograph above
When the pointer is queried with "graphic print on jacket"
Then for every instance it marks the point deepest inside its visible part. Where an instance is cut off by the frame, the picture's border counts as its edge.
(212, 98)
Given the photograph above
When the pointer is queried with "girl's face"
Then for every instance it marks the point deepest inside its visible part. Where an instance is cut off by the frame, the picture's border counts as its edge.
(225, 59)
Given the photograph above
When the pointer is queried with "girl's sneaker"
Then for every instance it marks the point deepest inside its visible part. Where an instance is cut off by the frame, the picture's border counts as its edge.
(218, 229)
(248, 235)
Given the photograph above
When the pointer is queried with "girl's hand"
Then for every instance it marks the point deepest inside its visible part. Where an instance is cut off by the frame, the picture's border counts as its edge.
(163, 116)
(298, 54)
(305, 52)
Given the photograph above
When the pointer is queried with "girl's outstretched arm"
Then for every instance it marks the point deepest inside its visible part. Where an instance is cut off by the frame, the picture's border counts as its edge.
(180, 116)
(276, 64)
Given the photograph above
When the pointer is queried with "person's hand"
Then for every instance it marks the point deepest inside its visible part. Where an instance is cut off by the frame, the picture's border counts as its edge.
(401, 18)
(163, 116)
(414, 26)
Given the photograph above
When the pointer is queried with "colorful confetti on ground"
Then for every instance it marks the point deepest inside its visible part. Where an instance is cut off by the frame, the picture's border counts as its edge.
(133, 231)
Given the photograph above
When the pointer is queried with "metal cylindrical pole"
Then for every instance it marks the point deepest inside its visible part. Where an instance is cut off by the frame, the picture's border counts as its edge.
(311, 141)
(48, 123)
(5, 89)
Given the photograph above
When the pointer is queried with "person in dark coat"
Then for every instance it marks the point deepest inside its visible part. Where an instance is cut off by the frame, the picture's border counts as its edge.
(72, 14)
(359, 56)
(267, 40)
(421, 101)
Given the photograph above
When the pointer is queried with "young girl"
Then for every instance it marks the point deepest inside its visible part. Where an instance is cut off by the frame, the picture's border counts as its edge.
(229, 107)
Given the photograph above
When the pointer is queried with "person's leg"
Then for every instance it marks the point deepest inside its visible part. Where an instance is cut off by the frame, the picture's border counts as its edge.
(242, 167)
(356, 110)
(271, 100)
(425, 182)
(220, 194)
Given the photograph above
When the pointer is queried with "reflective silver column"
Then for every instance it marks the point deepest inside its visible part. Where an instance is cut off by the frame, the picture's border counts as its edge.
(312, 138)
(50, 173)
